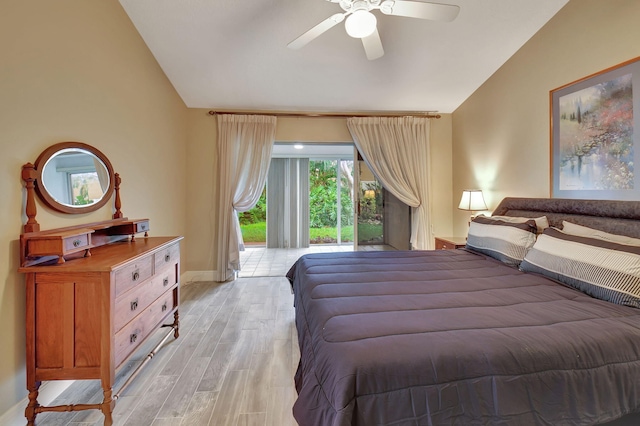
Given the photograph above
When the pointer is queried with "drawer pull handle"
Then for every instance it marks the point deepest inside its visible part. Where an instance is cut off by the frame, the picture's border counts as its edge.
(135, 276)
(143, 227)
(167, 257)
(134, 304)
(76, 243)
(165, 282)
(164, 307)
(133, 337)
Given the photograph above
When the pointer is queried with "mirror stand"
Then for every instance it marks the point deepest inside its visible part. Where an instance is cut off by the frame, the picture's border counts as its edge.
(117, 204)
(30, 175)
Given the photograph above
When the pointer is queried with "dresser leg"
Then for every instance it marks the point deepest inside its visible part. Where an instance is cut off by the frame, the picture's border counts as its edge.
(176, 325)
(107, 407)
(30, 411)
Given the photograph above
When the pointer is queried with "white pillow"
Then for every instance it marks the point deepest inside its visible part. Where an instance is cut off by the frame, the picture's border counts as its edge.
(542, 222)
(584, 231)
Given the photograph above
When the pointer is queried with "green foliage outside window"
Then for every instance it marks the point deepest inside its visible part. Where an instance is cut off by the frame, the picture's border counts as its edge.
(323, 217)
(323, 196)
(258, 213)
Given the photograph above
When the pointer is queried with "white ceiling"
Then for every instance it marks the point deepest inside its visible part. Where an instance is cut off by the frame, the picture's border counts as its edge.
(231, 54)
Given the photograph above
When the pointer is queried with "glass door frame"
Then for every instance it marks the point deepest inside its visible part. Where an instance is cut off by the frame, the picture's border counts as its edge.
(356, 196)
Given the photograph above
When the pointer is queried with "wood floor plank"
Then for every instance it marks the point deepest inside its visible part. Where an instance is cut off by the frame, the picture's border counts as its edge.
(284, 323)
(227, 409)
(231, 332)
(282, 361)
(252, 419)
(279, 412)
(200, 409)
(218, 366)
(164, 422)
(178, 400)
(211, 339)
(259, 291)
(264, 340)
(259, 378)
(255, 315)
(243, 350)
(189, 342)
(148, 407)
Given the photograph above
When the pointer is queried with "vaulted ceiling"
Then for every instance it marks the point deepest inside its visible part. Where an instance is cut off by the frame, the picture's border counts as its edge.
(230, 54)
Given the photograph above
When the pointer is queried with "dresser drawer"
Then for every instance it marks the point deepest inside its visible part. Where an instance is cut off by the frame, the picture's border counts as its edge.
(142, 226)
(133, 274)
(77, 243)
(134, 333)
(59, 244)
(131, 303)
(168, 256)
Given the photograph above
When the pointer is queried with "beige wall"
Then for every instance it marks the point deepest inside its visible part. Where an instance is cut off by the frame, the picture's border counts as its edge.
(201, 180)
(501, 133)
(77, 70)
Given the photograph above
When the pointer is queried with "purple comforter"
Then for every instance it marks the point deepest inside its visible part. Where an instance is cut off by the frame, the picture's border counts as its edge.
(453, 337)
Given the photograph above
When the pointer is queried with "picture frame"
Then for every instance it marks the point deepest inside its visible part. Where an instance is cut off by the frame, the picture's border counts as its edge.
(595, 135)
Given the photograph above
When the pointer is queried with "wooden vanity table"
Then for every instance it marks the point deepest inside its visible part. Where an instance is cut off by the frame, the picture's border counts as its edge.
(94, 293)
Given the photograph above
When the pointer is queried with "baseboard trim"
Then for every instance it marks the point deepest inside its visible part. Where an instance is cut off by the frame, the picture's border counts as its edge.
(46, 394)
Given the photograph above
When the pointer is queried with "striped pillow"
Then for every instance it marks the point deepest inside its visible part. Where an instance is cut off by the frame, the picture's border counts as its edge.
(583, 231)
(506, 241)
(602, 269)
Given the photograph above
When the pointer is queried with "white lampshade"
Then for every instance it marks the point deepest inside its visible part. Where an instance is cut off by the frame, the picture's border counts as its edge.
(360, 24)
(472, 200)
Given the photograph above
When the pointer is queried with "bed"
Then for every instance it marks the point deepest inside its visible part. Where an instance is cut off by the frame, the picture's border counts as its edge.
(465, 337)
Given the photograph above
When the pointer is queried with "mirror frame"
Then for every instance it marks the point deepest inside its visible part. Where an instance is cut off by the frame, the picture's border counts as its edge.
(44, 195)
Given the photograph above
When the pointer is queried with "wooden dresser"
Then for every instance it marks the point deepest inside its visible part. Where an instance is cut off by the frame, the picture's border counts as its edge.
(93, 295)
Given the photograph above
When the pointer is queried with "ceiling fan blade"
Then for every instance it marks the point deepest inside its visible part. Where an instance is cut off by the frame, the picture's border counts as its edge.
(414, 9)
(373, 46)
(316, 31)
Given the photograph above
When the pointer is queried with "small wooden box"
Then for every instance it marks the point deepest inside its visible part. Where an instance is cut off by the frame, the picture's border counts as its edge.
(60, 243)
(131, 227)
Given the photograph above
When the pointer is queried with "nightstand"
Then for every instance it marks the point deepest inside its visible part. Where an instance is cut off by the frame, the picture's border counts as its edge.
(450, 243)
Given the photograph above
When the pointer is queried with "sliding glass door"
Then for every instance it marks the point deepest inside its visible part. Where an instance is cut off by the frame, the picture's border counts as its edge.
(331, 201)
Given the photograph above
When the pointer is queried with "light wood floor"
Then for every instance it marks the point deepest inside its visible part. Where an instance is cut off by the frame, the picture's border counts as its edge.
(233, 364)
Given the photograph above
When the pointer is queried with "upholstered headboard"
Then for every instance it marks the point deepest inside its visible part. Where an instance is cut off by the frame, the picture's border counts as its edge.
(617, 217)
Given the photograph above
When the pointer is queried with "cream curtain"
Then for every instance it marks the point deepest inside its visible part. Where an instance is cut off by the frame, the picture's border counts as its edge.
(245, 143)
(396, 149)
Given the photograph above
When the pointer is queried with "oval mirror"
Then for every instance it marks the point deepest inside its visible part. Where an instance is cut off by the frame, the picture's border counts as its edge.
(74, 177)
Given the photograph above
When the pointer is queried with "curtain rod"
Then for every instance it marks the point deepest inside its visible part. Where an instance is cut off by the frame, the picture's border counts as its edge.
(429, 114)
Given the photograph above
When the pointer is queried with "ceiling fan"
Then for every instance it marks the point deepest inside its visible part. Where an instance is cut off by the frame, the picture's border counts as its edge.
(361, 23)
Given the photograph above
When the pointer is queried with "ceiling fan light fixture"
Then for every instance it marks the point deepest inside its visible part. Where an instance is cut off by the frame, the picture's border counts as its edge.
(360, 24)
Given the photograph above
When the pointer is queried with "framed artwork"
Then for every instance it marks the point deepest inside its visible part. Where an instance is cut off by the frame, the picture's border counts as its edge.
(595, 135)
